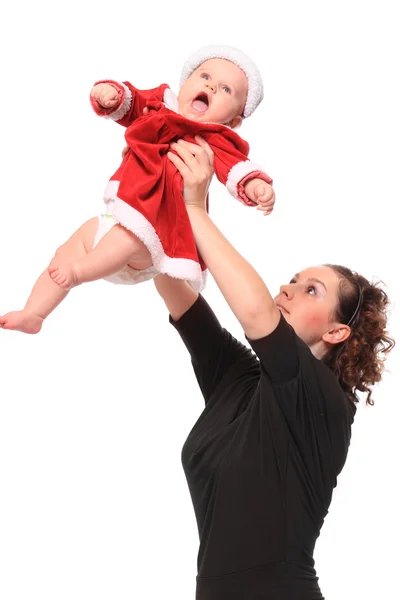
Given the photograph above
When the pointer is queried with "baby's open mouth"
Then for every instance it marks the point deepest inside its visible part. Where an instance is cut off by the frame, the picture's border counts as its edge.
(200, 103)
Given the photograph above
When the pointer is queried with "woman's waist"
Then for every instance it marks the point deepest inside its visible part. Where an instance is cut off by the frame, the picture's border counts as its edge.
(272, 581)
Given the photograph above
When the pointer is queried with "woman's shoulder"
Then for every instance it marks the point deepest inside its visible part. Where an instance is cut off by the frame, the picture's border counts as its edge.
(322, 382)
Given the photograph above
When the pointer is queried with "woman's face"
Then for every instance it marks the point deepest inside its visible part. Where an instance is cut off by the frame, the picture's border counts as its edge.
(308, 303)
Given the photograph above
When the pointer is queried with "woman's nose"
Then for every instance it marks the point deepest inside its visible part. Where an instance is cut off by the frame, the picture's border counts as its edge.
(287, 291)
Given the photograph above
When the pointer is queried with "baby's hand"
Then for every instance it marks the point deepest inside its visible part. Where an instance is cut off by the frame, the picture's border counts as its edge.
(265, 196)
(105, 94)
(261, 192)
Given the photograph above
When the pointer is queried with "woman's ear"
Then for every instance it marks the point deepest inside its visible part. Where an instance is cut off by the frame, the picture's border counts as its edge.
(337, 334)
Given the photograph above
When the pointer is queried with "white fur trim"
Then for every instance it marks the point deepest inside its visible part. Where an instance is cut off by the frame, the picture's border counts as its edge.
(256, 89)
(181, 268)
(237, 173)
(126, 275)
(124, 107)
(111, 191)
(170, 100)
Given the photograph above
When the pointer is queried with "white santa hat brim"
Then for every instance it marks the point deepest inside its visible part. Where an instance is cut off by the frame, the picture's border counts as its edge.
(255, 85)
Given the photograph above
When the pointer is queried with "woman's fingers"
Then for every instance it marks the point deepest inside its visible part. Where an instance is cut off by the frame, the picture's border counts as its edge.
(195, 181)
(180, 165)
(184, 150)
(202, 153)
(202, 142)
(199, 169)
(197, 165)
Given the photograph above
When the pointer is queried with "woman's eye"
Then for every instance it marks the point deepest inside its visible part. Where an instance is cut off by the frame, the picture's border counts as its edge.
(311, 288)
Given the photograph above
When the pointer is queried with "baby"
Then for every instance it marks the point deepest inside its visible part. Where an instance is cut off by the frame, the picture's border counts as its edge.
(145, 229)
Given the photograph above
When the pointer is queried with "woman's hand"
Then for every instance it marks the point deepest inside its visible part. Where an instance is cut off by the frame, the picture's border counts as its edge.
(241, 286)
(195, 162)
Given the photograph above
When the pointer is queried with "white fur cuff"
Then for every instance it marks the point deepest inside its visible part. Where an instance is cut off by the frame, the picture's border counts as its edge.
(237, 173)
(124, 107)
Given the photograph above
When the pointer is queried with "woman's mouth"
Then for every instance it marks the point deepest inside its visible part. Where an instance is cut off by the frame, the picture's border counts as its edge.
(285, 312)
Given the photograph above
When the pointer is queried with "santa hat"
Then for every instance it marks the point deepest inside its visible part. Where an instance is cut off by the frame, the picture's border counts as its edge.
(255, 91)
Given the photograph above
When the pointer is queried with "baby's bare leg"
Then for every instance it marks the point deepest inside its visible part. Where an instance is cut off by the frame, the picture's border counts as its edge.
(47, 295)
(118, 248)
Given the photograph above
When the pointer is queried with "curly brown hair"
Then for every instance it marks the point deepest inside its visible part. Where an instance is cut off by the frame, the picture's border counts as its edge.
(359, 361)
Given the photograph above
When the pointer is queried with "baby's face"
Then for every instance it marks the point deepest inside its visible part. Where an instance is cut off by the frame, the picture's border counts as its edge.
(215, 92)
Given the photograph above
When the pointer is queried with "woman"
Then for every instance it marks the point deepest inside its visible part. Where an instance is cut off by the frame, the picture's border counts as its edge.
(263, 458)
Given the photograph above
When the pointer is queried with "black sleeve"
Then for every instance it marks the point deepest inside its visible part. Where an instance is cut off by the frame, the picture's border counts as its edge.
(278, 352)
(213, 350)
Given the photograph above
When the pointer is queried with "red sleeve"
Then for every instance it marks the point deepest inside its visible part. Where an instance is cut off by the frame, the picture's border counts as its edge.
(131, 101)
(232, 166)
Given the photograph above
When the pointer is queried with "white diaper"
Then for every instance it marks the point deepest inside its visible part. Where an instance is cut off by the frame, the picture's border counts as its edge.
(126, 275)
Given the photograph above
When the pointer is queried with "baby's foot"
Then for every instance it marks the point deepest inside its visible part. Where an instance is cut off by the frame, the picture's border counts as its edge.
(64, 275)
(22, 320)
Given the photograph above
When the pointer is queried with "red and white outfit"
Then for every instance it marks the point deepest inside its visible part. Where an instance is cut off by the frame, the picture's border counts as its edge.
(145, 193)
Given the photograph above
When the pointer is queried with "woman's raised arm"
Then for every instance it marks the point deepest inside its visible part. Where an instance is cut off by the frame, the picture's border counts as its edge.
(240, 284)
(177, 294)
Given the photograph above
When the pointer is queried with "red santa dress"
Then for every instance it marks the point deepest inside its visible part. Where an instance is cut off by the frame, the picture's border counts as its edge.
(145, 193)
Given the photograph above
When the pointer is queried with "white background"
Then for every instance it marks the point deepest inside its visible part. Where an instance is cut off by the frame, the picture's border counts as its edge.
(94, 410)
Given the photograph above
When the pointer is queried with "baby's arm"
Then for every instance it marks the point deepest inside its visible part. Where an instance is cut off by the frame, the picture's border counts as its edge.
(245, 180)
(122, 102)
(260, 191)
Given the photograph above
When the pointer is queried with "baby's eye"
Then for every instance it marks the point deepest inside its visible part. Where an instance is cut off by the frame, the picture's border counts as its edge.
(226, 89)
(205, 76)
